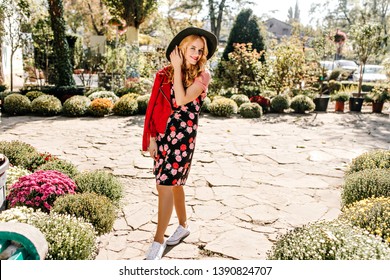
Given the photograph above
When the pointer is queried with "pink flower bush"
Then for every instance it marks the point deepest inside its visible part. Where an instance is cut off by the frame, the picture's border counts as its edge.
(40, 189)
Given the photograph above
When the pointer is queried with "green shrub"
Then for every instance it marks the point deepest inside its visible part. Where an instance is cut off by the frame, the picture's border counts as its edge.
(36, 160)
(46, 105)
(104, 94)
(34, 94)
(301, 103)
(69, 238)
(2, 88)
(334, 86)
(365, 184)
(14, 173)
(143, 101)
(324, 240)
(100, 182)
(340, 96)
(372, 214)
(17, 152)
(370, 160)
(279, 103)
(223, 107)
(17, 104)
(76, 106)
(240, 99)
(61, 165)
(93, 208)
(206, 104)
(250, 110)
(92, 90)
(100, 107)
(127, 105)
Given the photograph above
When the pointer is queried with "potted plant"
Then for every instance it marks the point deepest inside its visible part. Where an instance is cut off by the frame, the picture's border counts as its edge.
(367, 40)
(378, 96)
(4, 164)
(340, 98)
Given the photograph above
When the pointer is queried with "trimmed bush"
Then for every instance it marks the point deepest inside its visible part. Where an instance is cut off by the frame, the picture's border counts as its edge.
(324, 240)
(34, 94)
(76, 106)
(16, 104)
(223, 107)
(250, 110)
(206, 104)
(104, 94)
(127, 105)
(301, 103)
(46, 105)
(17, 152)
(69, 238)
(63, 166)
(36, 160)
(93, 208)
(143, 101)
(279, 103)
(40, 189)
(372, 214)
(100, 182)
(240, 99)
(370, 160)
(365, 184)
(100, 107)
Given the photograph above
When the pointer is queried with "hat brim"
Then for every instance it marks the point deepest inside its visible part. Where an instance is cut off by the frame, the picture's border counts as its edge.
(211, 39)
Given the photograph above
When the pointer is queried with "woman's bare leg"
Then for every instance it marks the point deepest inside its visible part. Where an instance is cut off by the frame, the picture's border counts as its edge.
(180, 206)
(165, 207)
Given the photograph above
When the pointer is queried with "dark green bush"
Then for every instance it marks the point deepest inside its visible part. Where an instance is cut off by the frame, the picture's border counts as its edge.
(34, 94)
(279, 103)
(18, 153)
(127, 105)
(365, 184)
(250, 110)
(370, 160)
(329, 240)
(100, 182)
(61, 165)
(46, 105)
(76, 106)
(143, 101)
(240, 99)
(17, 104)
(301, 103)
(93, 208)
(223, 107)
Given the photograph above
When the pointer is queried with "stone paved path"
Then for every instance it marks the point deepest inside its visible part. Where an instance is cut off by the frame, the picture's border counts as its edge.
(251, 179)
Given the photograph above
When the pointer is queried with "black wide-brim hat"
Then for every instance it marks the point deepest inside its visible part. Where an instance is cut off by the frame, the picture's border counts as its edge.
(211, 39)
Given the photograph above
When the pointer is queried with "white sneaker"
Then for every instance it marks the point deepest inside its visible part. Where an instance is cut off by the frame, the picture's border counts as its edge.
(179, 234)
(156, 251)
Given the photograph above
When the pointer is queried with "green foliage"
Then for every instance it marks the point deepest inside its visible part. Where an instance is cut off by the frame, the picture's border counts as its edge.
(206, 104)
(127, 105)
(35, 160)
(281, 102)
(46, 105)
(61, 165)
(17, 104)
(143, 101)
(240, 99)
(104, 94)
(378, 95)
(340, 96)
(34, 94)
(250, 110)
(3, 88)
(223, 107)
(371, 214)
(370, 160)
(100, 182)
(334, 86)
(17, 152)
(93, 208)
(14, 173)
(76, 106)
(328, 240)
(100, 107)
(365, 184)
(245, 30)
(302, 103)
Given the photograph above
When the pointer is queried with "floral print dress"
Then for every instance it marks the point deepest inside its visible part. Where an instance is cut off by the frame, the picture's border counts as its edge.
(176, 146)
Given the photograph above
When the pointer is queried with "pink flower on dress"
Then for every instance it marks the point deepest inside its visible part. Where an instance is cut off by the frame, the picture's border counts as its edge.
(184, 154)
(197, 108)
(168, 166)
(192, 146)
(180, 135)
(177, 152)
(176, 116)
(178, 158)
(174, 141)
(189, 129)
(192, 116)
(173, 134)
(174, 172)
(183, 124)
(163, 177)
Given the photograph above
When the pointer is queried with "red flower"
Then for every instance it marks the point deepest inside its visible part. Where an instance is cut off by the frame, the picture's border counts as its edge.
(174, 182)
(190, 123)
(172, 128)
(175, 165)
(183, 147)
(262, 101)
(191, 140)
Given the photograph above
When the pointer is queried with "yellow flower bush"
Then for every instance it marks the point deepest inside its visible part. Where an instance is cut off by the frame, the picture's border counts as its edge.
(100, 107)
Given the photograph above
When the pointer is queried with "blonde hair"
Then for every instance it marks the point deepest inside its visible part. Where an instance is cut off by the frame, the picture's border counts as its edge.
(193, 71)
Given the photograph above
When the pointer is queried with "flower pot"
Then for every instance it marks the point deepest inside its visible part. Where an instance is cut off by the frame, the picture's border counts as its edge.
(4, 164)
(339, 106)
(377, 107)
(355, 104)
(321, 103)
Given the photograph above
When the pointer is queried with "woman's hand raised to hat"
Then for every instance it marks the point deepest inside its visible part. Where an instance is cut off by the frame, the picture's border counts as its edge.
(176, 58)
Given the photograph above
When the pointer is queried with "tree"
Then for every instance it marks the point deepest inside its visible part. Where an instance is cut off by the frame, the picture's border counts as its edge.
(245, 30)
(16, 15)
(181, 14)
(367, 40)
(61, 47)
(294, 15)
(1, 35)
(134, 12)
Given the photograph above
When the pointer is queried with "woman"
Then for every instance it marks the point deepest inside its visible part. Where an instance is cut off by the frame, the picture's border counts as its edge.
(171, 123)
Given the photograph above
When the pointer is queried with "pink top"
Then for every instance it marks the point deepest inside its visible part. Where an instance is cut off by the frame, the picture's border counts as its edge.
(203, 80)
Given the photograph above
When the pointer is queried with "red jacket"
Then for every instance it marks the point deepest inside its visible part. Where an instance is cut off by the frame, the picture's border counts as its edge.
(159, 108)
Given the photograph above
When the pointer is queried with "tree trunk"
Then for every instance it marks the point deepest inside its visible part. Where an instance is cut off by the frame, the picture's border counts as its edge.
(61, 47)
(1, 66)
(132, 35)
(12, 72)
(216, 17)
